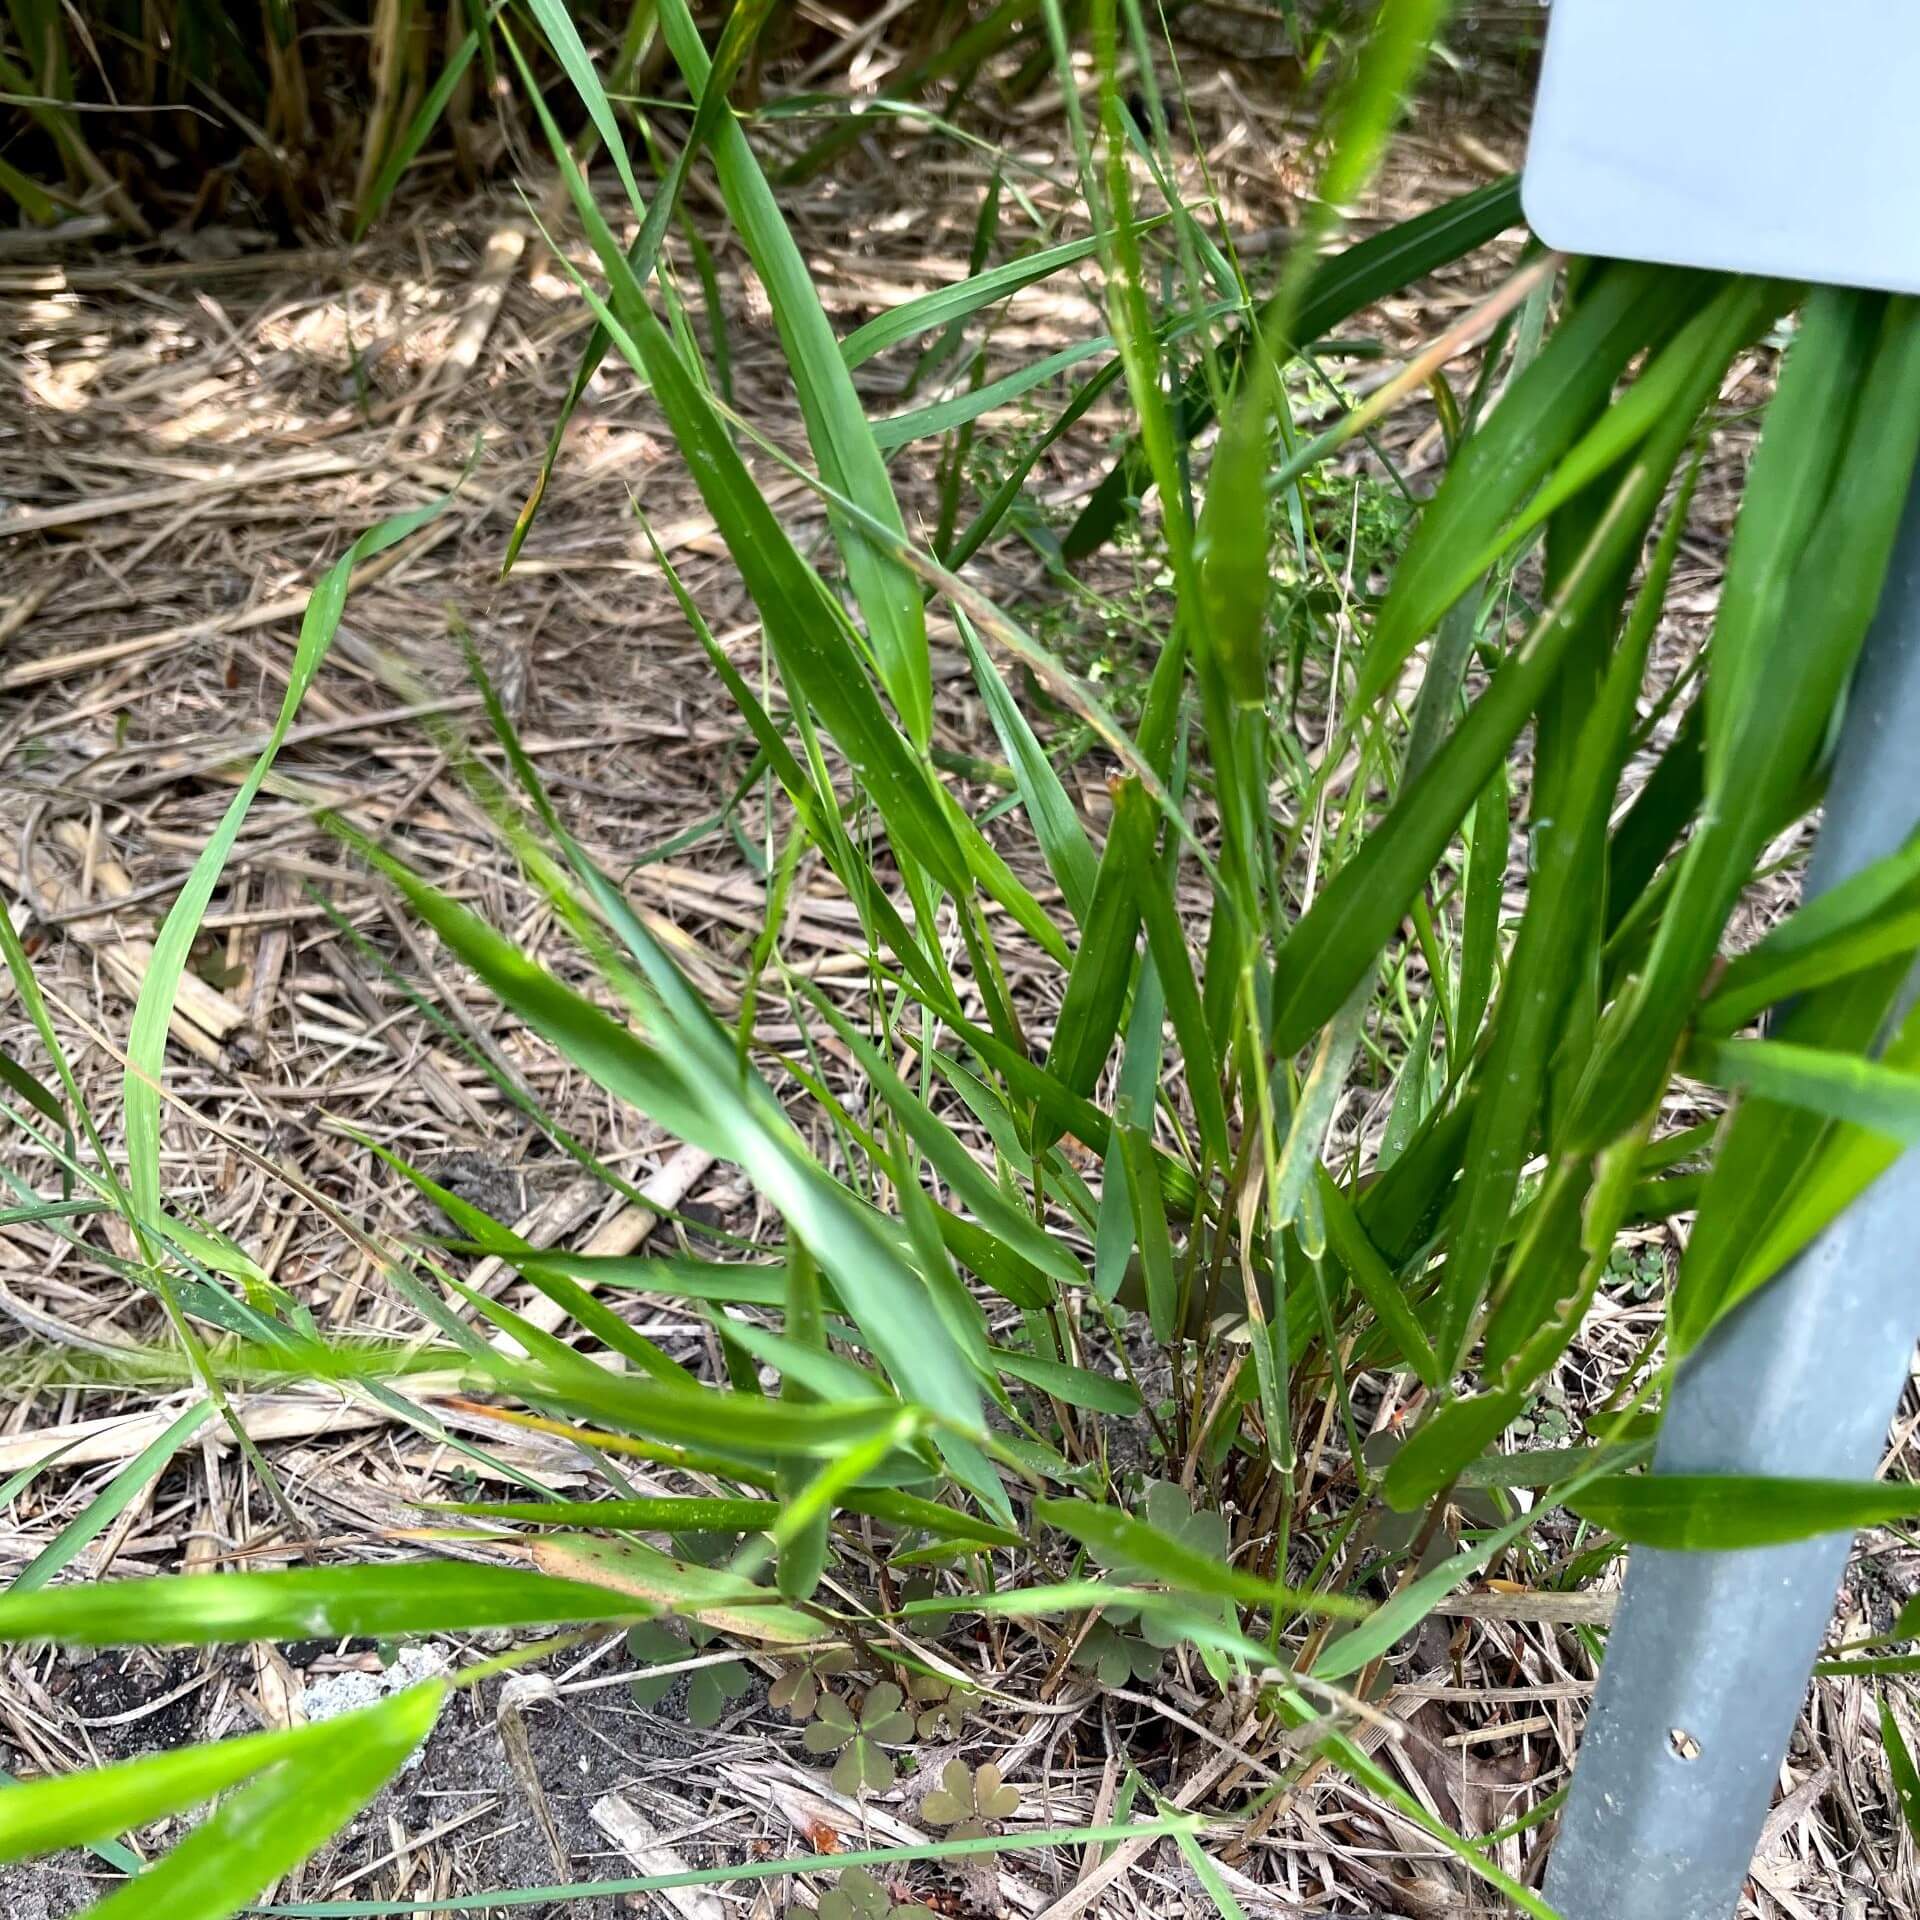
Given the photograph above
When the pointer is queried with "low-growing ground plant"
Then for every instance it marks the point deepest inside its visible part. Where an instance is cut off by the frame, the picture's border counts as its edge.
(1117, 1376)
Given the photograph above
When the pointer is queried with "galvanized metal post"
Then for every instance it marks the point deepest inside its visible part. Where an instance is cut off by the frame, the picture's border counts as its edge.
(1710, 1654)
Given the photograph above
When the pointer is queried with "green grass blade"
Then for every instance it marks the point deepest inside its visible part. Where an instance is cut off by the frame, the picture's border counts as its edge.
(737, 39)
(837, 429)
(1382, 264)
(1348, 1242)
(1480, 929)
(967, 297)
(1076, 1386)
(147, 1040)
(111, 1501)
(749, 1871)
(1786, 666)
(225, 1609)
(1523, 440)
(1158, 908)
(668, 1513)
(1354, 918)
(1868, 1094)
(555, 19)
(653, 1582)
(1783, 1173)
(1208, 1875)
(426, 117)
(1866, 919)
(1375, 1636)
(35, 1093)
(803, 624)
(1063, 840)
(1137, 1549)
(274, 1823)
(971, 1183)
(1900, 1769)
(1153, 1242)
(70, 1810)
(1095, 1000)
(1544, 966)
(1726, 1513)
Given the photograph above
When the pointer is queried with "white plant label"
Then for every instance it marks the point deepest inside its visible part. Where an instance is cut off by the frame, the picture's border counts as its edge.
(1757, 136)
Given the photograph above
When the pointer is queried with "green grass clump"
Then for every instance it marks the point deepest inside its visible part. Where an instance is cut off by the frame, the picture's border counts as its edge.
(1162, 1239)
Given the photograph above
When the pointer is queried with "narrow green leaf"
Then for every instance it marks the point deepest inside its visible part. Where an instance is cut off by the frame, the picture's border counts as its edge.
(147, 1039)
(1063, 840)
(1865, 1093)
(652, 1582)
(1723, 1513)
(667, 1513)
(69, 1810)
(1133, 1547)
(1900, 1768)
(1520, 443)
(274, 1823)
(803, 622)
(1077, 1386)
(1153, 1241)
(223, 1609)
(1383, 263)
(426, 117)
(967, 296)
(1792, 637)
(112, 1500)
(737, 38)
(970, 1181)
(1354, 917)
(837, 429)
(1095, 1000)
(1872, 916)
(556, 23)
(1411, 1604)
(1557, 929)
(1784, 1172)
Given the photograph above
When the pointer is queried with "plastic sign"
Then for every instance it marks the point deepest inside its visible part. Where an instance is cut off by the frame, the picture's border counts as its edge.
(1758, 136)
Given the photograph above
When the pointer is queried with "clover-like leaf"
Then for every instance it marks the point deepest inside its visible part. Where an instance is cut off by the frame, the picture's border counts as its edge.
(659, 1643)
(1202, 1530)
(713, 1689)
(654, 1643)
(966, 1799)
(798, 1689)
(881, 1718)
(1173, 1513)
(1114, 1658)
(833, 1726)
(859, 1896)
(859, 1737)
(939, 1708)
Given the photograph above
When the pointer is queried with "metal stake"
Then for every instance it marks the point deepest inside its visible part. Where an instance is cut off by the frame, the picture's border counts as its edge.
(1710, 1654)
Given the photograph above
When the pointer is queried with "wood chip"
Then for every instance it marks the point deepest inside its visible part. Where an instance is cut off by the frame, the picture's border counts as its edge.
(639, 1839)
